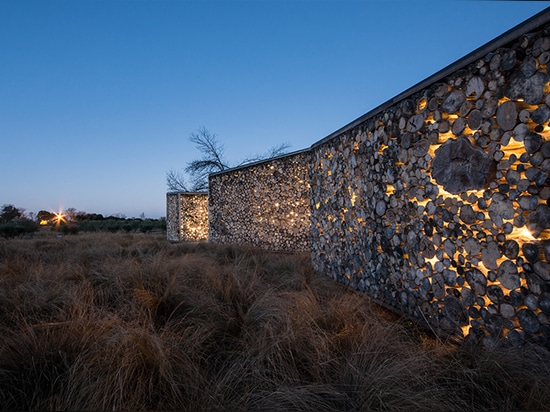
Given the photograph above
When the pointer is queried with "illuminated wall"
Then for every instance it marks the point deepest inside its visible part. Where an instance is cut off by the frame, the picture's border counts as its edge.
(436, 203)
(265, 204)
(186, 216)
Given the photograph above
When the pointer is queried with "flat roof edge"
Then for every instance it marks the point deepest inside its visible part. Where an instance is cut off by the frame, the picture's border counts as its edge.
(525, 27)
(183, 192)
(259, 162)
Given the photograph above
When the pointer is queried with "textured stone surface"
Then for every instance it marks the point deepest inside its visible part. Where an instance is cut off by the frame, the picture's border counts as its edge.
(437, 210)
(507, 115)
(186, 216)
(477, 281)
(539, 220)
(453, 101)
(476, 242)
(530, 88)
(508, 275)
(528, 321)
(264, 205)
(542, 269)
(544, 303)
(459, 166)
(455, 311)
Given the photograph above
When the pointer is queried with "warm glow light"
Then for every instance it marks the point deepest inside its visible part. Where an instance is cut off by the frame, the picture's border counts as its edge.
(465, 330)
(353, 195)
(445, 194)
(422, 104)
(382, 148)
(432, 260)
(521, 234)
(353, 198)
(513, 147)
(59, 218)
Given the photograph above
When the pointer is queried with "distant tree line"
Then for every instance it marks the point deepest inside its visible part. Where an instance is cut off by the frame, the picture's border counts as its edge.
(15, 223)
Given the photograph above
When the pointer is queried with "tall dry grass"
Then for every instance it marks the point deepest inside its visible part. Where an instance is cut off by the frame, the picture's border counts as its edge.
(132, 322)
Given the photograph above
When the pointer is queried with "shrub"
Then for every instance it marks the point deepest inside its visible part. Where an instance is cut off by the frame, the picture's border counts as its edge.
(69, 229)
(17, 228)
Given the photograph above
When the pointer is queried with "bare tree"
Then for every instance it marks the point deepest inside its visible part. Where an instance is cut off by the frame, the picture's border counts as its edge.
(212, 161)
(70, 213)
(175, 181)
(272, 152)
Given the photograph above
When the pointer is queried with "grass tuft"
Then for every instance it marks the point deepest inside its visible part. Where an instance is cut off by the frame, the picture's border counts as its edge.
(134, 322)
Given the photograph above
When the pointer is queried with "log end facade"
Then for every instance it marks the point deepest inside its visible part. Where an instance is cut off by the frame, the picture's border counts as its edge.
(436, 203)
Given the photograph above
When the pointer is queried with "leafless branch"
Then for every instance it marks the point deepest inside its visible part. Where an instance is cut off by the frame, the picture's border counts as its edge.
(272, 152)
(211, 162)
(175, 181)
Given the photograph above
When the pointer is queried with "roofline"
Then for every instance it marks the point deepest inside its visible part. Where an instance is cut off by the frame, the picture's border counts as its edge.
(527, 26)
(183, 192)
(259, 162)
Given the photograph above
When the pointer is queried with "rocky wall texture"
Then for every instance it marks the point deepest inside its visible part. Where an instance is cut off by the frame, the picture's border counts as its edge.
(186, 216)
(438, 204)
(264, 205)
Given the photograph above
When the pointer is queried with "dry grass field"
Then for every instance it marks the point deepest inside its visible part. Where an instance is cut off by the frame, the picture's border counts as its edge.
(133, 322)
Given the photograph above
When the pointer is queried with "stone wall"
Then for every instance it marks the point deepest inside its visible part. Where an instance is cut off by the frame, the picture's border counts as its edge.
(186, 216)
(436, 203)
(265, 204)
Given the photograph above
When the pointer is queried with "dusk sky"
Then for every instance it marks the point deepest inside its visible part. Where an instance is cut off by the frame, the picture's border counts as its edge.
(98, 98)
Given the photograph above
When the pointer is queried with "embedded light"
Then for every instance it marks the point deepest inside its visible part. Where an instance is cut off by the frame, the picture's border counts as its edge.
(465, 330)
(525, 234)
(422, 104)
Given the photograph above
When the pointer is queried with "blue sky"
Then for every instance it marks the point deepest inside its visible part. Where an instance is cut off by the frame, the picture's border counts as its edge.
(98, 98)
